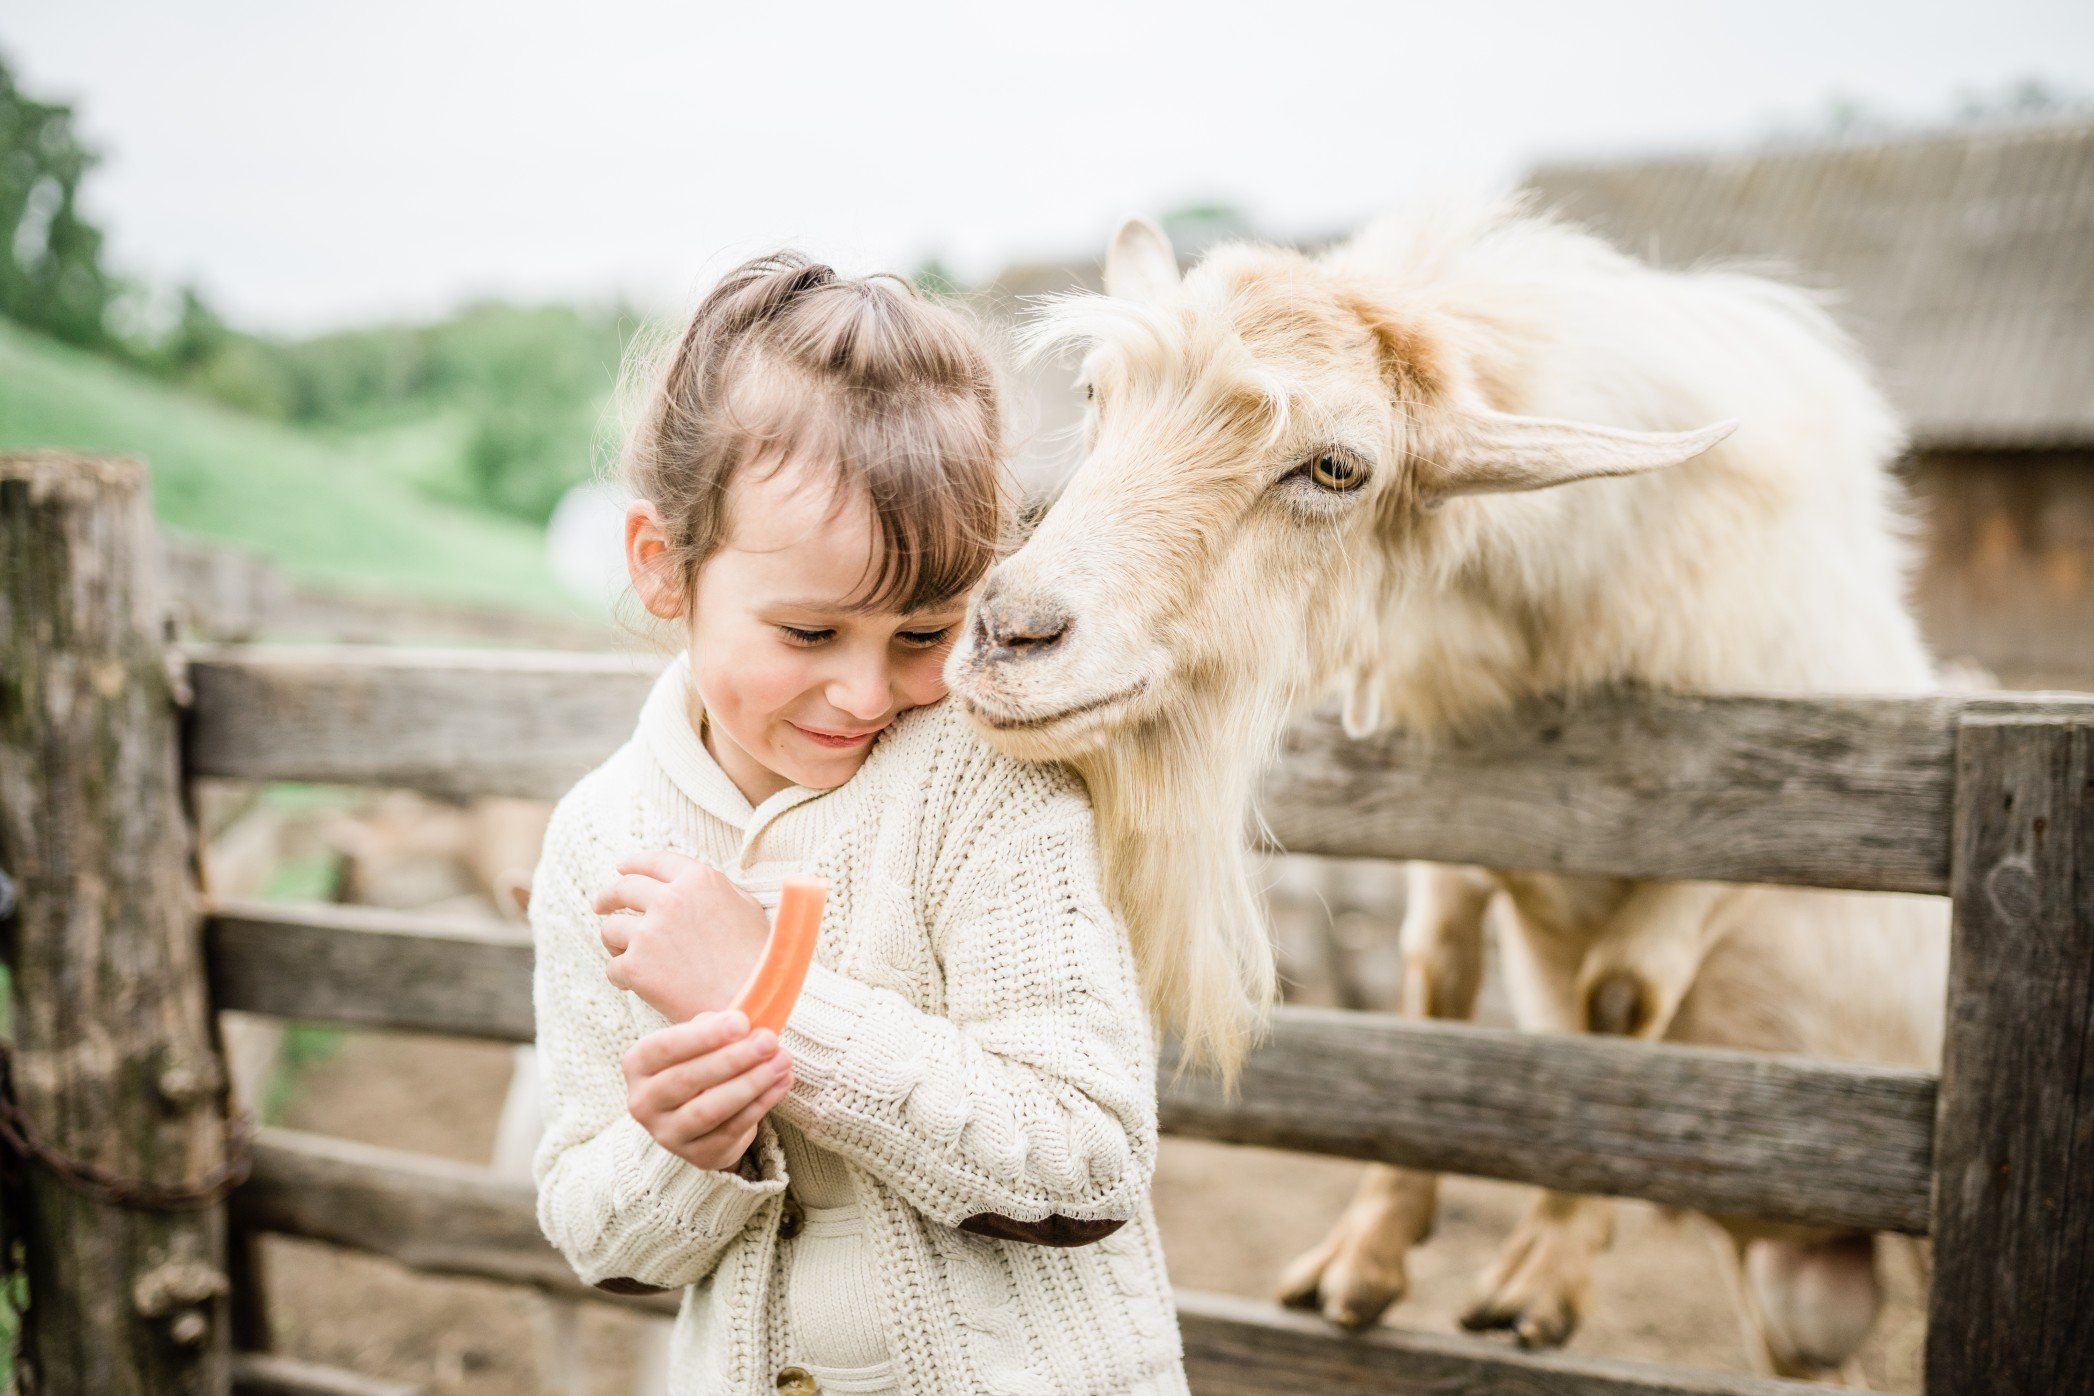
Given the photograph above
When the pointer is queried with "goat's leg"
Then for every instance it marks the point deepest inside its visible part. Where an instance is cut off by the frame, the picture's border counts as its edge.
(1630, 980)
(1359, 1268)
(1645, 958)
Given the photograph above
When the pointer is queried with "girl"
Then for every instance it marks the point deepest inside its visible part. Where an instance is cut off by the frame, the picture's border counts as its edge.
(935, 1178)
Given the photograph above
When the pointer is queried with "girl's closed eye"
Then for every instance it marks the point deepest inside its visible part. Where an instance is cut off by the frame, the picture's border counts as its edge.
(914, 639)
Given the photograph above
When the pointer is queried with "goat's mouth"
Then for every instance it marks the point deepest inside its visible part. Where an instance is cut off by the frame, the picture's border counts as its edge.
(1002, 717)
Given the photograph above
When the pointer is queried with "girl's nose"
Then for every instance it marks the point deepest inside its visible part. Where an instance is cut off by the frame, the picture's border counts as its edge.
(862, 691)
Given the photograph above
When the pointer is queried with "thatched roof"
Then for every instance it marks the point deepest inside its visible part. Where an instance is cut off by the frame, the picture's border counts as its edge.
(1964, 263)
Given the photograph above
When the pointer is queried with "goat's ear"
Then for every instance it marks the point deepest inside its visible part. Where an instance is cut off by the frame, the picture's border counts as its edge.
(1140, 266)
(1496, 452)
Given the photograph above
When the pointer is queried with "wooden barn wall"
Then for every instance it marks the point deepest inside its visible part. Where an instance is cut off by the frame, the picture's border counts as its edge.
(2006, 574)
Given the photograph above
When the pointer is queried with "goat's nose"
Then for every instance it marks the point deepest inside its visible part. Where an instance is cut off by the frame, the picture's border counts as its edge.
(1020, 627)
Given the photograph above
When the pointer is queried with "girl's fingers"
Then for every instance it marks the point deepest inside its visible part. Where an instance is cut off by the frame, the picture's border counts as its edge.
(629, 893)
(715, 1107)
(681, 1081)
(664, 865)
(615, 932)
(742, 1128)
(665, 1047)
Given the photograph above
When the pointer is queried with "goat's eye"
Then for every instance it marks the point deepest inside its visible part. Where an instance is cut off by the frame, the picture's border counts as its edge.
(1090, 391)
(1339, 474)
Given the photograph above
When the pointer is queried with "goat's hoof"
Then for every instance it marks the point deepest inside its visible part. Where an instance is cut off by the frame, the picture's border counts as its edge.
(1538, 1287)
(1341, 1281)
(1618, 1004)
(1539, 1321)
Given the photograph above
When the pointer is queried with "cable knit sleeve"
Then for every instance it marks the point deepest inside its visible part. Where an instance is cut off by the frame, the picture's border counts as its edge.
(1028, 1109)
(625, 1212)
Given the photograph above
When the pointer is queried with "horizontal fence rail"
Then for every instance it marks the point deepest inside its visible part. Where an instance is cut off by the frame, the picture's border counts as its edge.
(372, 968)
(1780, 1138)
(1784, 1139)
(265, 1374)
(450, 722)
(1826, 792)
(453, 1219)
(1241, 1347)
(429, 1214)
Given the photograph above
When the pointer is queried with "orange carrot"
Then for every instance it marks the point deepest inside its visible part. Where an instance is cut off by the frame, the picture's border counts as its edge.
(774, 985)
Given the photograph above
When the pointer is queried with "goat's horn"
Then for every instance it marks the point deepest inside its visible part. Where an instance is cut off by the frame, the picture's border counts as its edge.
(1497, 452)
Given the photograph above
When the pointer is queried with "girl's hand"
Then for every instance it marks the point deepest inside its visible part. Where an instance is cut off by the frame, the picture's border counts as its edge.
(699, 1088)
(681, 935)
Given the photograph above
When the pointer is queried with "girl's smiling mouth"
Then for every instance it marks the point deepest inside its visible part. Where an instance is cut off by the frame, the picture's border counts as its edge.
(837, 740)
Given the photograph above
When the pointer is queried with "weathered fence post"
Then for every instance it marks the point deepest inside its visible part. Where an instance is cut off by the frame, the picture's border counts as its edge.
(2013, 1286)
(117, 1083)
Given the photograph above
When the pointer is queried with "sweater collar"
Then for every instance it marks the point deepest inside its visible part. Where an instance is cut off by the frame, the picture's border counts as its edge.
(666, 731)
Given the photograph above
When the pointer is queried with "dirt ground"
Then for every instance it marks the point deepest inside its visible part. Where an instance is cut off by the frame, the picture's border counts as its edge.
(1231, 1218)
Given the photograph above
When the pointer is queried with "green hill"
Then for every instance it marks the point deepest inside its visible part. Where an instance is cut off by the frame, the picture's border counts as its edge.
(315, 505)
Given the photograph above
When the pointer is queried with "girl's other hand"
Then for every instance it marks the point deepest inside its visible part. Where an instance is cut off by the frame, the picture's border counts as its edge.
(681, 935)
(699, 1088)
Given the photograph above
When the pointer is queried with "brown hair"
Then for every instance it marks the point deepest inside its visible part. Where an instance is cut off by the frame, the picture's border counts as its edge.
(866, 377)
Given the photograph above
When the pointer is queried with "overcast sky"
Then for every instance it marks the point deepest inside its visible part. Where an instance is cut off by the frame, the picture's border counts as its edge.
(318, 163)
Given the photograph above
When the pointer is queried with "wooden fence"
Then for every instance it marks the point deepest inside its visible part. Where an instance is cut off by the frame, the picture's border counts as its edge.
(118, 966)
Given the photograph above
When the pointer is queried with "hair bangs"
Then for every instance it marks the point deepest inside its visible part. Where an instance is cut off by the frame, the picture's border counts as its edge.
(927, 467)
(935, 484)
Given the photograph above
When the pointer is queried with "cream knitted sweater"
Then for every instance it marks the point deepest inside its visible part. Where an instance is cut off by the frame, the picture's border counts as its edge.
(970, 1046)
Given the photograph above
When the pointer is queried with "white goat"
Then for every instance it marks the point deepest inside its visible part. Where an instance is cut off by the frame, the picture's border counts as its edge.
(1360, 471)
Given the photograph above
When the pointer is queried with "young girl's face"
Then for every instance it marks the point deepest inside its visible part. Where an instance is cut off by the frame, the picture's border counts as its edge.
(796, 685)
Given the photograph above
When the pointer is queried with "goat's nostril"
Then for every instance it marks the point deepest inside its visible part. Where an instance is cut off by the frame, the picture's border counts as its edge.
(1023, 628)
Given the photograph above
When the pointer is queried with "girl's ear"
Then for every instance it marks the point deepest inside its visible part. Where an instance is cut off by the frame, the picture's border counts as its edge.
(648, 562)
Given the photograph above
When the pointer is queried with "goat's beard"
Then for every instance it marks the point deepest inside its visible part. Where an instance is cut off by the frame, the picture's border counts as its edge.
(1174, 800)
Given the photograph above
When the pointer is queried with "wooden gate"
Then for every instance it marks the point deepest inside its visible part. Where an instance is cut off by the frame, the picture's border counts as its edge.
(118, 966)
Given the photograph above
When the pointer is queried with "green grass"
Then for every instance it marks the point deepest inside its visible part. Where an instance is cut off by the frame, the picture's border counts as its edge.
(424, 452)
(304, 1046)
(14, 1301)
(346, 511)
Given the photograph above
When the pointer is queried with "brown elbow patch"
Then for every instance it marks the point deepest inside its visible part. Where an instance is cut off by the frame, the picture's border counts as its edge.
(618, 1284)
(1056, 1230)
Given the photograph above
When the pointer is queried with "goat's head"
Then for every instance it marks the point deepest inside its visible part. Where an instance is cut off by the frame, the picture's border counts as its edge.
(1265, 437)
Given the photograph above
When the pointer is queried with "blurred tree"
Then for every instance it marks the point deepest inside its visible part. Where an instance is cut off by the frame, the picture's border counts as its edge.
(51, 273)
(533, 382)
(1193, 228)
(934, 276)
(521, 457)
(2024, 99)
(247, 372)
(196, 336)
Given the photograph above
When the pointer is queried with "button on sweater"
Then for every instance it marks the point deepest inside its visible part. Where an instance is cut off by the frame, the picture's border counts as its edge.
(973, 1112)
